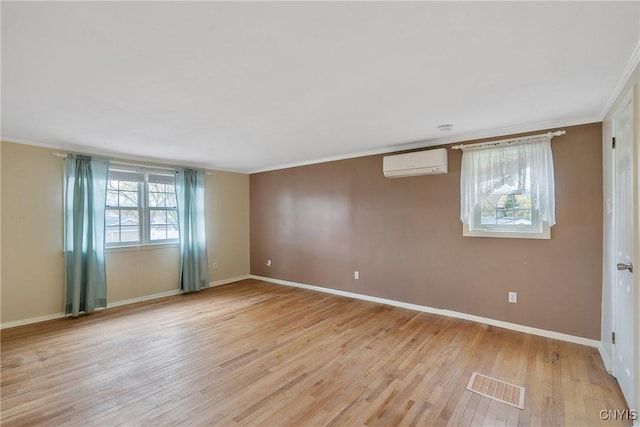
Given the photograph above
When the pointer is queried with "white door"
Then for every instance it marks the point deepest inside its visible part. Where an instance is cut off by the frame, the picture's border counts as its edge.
(623, 292)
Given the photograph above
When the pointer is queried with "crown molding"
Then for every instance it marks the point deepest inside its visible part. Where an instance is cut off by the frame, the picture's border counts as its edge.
(628, 69)
(73, 148)
(463, 137)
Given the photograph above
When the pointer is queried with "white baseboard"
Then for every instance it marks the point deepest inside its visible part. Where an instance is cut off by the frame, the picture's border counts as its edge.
(172, 292)
(226, 281)
(605, 357)
(422, 308)
(143, 298)
(22, 322)
(442, 312)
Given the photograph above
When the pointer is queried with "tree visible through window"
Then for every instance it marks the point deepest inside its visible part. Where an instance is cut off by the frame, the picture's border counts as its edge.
(509, 205)
(163, 216)
(141, 208)
(508, 191)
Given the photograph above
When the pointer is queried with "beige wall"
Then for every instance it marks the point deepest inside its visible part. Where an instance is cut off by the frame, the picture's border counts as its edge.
(228, 224)
(320, 223)
(138, 272)
(32, 260)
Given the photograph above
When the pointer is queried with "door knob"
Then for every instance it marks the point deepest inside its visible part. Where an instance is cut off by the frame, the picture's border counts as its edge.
(622, 266)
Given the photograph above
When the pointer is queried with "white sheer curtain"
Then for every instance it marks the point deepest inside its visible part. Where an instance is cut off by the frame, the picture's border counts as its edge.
(495, 170)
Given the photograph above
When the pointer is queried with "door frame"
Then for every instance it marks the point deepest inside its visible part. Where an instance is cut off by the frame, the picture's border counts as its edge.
(606, 348)
(636, 241)
(627, 101)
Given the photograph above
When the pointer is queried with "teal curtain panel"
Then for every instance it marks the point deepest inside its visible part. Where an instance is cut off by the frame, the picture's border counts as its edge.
(85, 200)
(194, 273)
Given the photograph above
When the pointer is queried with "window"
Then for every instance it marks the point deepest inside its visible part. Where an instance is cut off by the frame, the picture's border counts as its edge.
(141, 208)
(163, 215)
(508, 191)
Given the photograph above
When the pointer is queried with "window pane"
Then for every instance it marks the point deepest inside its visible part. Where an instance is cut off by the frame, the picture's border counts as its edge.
(155, 187)
(128, 198)
(158, 232)
(161, 195)
(112, 197)
(157, 200)
(163, 225)
(129, 233)
(158, 225)
(129, 226)
(507, 205)
(128, 186)
(112, 226)
(122, 225)
(171, 199)
(172, 225)
(172, 217)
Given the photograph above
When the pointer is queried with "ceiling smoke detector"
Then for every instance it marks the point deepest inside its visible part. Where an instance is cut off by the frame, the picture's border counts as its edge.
(446, 127)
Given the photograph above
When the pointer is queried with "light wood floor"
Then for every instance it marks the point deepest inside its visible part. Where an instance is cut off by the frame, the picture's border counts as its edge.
(254, 353)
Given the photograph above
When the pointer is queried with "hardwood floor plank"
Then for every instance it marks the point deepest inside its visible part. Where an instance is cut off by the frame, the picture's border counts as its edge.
(253, 353)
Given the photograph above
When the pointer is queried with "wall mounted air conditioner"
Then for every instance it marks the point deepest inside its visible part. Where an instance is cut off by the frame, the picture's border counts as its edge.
(428, 162)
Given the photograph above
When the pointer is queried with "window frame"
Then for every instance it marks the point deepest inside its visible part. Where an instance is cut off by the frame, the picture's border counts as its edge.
(538, 229)
(143, 209)
(166, 209)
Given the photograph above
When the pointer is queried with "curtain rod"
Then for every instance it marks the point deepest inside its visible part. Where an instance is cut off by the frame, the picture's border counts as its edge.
(137, 165)
(115, 162)
(509, 141)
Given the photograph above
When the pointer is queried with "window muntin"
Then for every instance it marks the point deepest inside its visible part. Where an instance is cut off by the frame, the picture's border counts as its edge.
(141, 208)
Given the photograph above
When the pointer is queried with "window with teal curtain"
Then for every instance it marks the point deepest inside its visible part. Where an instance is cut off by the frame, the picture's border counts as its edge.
(85, 201)
(194, 274)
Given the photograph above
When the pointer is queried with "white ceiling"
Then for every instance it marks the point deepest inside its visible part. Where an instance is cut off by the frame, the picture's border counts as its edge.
(251, 86)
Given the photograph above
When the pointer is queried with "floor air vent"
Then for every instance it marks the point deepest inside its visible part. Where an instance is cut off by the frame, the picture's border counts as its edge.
(498, 390)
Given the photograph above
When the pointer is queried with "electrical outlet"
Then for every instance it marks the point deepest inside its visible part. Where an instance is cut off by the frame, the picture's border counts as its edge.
(268, 263)
(215, 265)
(356, 275)
(513, 297)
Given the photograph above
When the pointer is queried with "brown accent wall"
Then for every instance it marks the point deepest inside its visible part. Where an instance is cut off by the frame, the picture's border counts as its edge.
(319, 223)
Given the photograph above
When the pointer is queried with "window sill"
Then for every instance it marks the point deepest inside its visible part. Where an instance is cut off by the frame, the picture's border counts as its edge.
(149, 247)
(545, 234)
